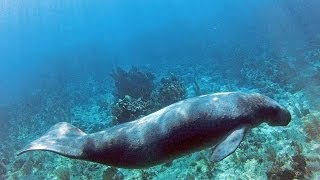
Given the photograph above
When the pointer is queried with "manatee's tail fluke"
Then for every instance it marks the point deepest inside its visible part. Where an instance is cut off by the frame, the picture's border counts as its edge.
(63, 138)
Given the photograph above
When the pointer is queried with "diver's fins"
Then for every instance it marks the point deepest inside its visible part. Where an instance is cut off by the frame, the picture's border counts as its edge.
(63, 138)
(229, 144)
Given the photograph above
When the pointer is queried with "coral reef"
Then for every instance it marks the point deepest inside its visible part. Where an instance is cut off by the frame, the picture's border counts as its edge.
(285, 174)
(299, 166)
(62, 173)
(17, 165)
(300, 108)
(171, 90)
(133, 106)
(196, 88)
(112, 173)
(298, 169)
(136, 83)
(4, 118)
(26, 169)
(3, 170)
(311, 126)
(128, 109)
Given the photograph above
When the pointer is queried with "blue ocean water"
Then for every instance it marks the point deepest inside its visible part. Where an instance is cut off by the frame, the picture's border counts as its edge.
(60, 61)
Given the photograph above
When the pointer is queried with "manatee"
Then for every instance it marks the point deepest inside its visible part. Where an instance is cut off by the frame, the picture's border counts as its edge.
(218, 120)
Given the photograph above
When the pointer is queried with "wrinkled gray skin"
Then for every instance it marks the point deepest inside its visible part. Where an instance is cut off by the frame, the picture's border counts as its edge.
(174, 131)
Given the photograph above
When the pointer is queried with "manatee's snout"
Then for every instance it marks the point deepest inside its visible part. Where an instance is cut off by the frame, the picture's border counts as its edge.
(282, 118)
(271, 112)
(277, 115)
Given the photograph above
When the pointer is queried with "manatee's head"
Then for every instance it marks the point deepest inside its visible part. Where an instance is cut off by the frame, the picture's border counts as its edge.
(274, 114)
(268, 110)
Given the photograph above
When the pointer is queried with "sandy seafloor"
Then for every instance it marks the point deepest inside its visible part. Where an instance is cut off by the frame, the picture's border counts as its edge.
(292, 81)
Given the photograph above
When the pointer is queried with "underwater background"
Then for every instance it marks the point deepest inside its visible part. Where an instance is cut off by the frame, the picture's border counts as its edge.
(96, 64)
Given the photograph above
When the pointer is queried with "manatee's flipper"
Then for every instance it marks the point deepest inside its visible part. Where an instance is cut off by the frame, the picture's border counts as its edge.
(63, 138)
(228, 145)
